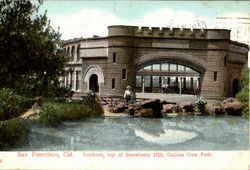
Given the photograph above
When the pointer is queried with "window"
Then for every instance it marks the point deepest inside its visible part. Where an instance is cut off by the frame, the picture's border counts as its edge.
(225, 61)
(156, 81)
(78, 80)
(147, 81)
(188, 82)
(180, 68)
(72, 53)
(188, 69)
(215, 76)
(156, 66)
(114, 57)
(164, 80)
(172, 81)
(113, 83)
(173, 67)
(78, 53)
(196, 83)
(147, 67)
(138, 81)
(72, 80)
(68, 53)
(165, 67)
(124, 73)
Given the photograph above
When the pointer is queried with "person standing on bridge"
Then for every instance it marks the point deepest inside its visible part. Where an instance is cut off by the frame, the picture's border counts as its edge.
(128, 94)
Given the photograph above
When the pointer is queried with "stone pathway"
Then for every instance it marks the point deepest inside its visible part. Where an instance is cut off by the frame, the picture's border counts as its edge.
(168, 97)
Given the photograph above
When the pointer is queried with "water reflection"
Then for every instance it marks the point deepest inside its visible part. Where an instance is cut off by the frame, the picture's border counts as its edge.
(123, 133)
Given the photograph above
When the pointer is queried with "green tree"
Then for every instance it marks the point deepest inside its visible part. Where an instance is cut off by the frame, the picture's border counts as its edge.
(243, 95)
(30, 50)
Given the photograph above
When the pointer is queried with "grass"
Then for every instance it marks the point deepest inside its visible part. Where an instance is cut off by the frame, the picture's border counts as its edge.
(12, 132)
(54, 112)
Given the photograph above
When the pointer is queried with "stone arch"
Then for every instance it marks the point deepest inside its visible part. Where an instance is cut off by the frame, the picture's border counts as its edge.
(94, 69)
(235, 78)
(188, 60)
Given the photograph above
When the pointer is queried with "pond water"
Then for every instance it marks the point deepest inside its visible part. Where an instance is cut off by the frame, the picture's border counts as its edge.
(125, 133)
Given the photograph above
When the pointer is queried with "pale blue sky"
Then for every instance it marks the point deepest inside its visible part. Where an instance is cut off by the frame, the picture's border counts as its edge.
(83, 17)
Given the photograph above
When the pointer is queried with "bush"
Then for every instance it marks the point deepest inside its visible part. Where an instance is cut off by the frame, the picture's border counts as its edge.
(243, 96)
(81, 110)
(53, 112)
(201, 105)
(11, 132)
(12, 105)
(50, 115)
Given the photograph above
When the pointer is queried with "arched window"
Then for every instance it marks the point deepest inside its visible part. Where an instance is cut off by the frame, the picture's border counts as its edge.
(68, 52)
(72, 53)
(78, 53)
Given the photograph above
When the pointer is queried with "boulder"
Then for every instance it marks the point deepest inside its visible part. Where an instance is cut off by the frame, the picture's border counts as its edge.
(146, 112)
(216, 109)
(133, 109)
(117, 108)
(167, 108)
(187, 106)
(176, 109)
(234, 108)
(154, 104)
(228, 100)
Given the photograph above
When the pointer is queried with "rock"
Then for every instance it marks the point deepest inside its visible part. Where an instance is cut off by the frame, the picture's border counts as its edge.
(167, 102)
(152, 103)
(121, 108)
(176, 109)
(117, 108)
(228, 100)
(234, 108)
(133, 109)
(187, 106)
(36, 107)
(146, 112)
(136, 109)
(167, 108)
(216, 109)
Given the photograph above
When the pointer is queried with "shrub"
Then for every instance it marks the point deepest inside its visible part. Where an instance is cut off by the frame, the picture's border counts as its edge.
(53, 111)
(50, 115)
(11, 132)
(80, 110)
(12, 105)
(201, 105)
(243, 95)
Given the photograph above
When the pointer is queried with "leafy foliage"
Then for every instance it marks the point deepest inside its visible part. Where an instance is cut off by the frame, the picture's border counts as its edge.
(53, 112)
(12, 105)
(201, 105)
(50, 115)
(31, 58)
(243, 96)
(11, 132)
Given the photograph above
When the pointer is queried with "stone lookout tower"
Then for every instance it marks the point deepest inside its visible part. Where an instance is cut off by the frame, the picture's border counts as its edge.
(183, 60)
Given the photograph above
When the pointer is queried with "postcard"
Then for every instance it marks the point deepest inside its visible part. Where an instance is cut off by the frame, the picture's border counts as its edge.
(124, 85)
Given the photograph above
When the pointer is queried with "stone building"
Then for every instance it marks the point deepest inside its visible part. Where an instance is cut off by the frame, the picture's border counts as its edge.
(148, 59)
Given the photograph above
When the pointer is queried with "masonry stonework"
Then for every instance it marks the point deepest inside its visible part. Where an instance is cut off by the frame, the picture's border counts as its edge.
(210, 52)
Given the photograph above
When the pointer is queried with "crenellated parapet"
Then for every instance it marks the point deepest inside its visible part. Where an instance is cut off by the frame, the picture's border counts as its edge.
(120, 30)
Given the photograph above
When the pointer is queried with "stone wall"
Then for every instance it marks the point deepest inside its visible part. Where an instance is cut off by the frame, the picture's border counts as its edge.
(206, 51)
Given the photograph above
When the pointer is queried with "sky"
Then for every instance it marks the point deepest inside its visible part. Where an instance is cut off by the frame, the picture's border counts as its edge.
(77, 19)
